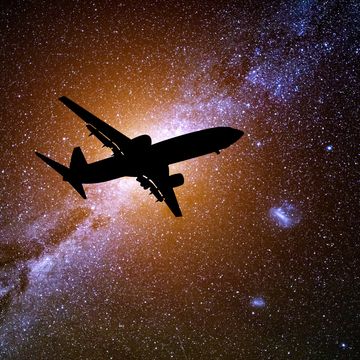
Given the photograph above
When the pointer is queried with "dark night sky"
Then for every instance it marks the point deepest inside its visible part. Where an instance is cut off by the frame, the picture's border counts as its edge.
(264, 263)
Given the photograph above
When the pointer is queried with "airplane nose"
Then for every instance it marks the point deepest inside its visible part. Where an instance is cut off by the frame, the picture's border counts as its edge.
(237, 134)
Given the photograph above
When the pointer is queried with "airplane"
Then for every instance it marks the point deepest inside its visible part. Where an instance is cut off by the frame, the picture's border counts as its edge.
(138, 157)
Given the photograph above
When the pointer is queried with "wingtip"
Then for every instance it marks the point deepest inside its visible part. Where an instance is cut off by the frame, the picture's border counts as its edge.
(39, 155)
(178, 213)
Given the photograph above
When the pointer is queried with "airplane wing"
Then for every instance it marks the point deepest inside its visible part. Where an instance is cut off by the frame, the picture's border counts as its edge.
(172, 203)
(103, 131)
(159, 185)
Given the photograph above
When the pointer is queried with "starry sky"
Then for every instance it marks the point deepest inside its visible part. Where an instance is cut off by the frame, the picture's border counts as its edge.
(264, 263)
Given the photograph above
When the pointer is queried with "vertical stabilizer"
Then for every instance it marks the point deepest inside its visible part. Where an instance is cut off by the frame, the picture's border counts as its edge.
(78, 160)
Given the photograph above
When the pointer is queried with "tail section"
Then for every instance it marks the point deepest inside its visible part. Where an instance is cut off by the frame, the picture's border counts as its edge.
(78, 160)
(69, 175)
(61, 169)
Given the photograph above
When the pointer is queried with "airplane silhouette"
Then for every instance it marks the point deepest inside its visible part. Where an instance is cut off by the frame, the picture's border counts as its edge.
(138, 157)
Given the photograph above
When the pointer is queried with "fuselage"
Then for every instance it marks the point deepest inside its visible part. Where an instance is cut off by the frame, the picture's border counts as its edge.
(145, 160)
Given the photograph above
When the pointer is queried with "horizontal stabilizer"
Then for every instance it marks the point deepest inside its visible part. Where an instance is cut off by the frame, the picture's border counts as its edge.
(77, 185)
(61, 169)
(65, 172)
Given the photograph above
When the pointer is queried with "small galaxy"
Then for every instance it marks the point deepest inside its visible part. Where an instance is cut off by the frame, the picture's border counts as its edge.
(285, 216)
(264, 262)
(258, 302)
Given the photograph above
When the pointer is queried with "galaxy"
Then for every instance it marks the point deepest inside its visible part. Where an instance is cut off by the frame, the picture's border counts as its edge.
(285, 216)
(258, 302)
(264, 262)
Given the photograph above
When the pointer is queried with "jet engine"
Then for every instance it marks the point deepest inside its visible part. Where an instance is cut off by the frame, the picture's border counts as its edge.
(142, 141)
(176, 180)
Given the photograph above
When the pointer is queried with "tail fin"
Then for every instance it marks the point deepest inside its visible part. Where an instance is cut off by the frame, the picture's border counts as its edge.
(68, 174)
(77, 160)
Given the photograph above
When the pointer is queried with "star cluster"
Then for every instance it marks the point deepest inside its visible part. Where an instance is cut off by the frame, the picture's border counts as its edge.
(264, 262)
